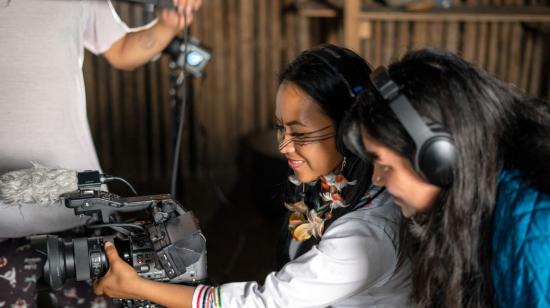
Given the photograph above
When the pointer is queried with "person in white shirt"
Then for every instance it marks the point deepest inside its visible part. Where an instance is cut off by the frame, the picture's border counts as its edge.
(43, 111)
(345, 247)
(42, 95)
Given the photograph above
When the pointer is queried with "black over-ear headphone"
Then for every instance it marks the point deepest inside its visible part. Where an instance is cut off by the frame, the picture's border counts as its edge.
(436, 154)
(331, 57)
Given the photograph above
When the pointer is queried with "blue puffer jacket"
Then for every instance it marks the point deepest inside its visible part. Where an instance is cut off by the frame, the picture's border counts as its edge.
(521, 244)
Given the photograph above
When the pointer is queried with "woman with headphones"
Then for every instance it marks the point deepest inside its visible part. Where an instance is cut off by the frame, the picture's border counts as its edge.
(467, 158)
(343, 247)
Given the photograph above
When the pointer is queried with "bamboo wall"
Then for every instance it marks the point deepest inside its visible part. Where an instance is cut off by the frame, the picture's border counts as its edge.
(509, 46)
(132, 118)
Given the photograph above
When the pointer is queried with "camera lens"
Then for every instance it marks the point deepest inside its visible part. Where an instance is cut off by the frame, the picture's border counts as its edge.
(78, 259)
(59, 262)
(90, 259)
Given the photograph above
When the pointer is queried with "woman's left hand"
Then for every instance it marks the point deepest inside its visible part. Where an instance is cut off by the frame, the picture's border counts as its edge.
(121, 280)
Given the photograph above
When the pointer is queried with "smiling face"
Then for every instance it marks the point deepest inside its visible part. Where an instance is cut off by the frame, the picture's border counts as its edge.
(395, 172)
(306, 135)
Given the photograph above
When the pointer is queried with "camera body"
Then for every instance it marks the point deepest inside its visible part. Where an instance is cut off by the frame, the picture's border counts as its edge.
(159, 238)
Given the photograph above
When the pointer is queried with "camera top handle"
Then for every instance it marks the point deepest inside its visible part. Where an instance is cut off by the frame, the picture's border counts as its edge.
(101, 204)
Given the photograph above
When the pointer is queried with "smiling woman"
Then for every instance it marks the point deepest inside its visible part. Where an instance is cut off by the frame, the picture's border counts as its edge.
(341, 246)
(306, 136)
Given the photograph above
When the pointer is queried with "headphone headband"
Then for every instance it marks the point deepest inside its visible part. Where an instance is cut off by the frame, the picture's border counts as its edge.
(328, 52)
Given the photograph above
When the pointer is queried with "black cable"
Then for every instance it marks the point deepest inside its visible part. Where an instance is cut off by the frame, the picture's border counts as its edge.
(121, 228)
(175, 165)
(117, 224)
(108, 178)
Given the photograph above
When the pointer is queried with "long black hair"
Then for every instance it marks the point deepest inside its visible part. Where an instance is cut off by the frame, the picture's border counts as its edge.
(494, 126)
(331, 76)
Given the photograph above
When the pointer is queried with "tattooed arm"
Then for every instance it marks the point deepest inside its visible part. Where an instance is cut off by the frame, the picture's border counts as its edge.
(139, 46)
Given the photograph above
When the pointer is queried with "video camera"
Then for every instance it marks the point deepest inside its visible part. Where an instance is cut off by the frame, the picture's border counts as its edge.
(159, 238)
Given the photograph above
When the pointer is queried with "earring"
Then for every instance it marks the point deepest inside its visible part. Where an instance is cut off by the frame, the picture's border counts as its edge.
(343, 165)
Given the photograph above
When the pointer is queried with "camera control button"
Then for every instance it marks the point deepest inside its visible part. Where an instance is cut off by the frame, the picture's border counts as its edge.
(142, 268)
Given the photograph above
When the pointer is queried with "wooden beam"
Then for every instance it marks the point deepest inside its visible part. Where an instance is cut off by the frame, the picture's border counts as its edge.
(317, 9)
(351, 17)
(540, 14)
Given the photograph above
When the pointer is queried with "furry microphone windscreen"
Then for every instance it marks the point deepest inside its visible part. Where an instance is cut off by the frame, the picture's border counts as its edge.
(36, 186)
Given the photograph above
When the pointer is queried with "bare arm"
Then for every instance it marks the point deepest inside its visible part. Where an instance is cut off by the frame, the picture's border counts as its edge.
(122, 281)
(139, 46)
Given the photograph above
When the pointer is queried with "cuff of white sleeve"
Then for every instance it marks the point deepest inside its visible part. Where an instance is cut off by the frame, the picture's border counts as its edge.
(198, 296)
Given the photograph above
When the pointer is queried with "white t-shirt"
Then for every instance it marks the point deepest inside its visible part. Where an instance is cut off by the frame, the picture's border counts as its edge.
(42, 99)
(355, 264)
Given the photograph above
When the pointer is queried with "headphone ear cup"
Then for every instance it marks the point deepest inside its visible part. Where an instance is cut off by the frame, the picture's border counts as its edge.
(437, 159)
(436, 156)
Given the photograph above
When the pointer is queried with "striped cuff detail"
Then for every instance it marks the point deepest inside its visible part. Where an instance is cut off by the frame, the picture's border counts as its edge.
(207, 297)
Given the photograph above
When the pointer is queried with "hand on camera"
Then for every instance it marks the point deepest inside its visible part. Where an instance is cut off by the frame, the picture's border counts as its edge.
(121, 280)
(181, 16)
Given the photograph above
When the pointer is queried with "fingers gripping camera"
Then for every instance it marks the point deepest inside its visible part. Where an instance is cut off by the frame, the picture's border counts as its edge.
(159, 238)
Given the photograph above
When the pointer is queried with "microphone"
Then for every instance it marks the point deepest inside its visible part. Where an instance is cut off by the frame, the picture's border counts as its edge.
(38, 186)
(30, 199)
(31, 204)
